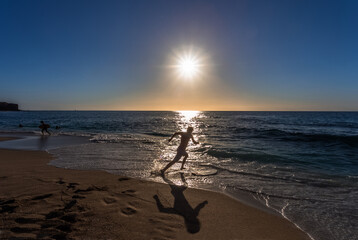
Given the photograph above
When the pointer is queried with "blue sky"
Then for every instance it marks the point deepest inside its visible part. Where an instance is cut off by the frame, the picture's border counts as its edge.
(114, 55)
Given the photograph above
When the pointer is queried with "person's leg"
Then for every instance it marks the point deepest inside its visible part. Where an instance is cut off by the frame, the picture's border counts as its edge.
(42, 131)
(185, 157)
(48, 132)
(176, 158)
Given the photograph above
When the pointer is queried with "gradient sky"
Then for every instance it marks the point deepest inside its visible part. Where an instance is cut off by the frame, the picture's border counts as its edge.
(115, 55)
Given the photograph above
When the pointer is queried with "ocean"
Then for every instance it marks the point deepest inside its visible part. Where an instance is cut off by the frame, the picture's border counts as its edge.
(302, 165)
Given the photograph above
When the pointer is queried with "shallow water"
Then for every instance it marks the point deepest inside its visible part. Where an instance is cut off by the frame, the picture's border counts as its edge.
(302, 164)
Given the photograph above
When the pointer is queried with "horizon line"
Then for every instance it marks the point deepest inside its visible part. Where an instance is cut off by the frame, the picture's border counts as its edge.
(79, 110)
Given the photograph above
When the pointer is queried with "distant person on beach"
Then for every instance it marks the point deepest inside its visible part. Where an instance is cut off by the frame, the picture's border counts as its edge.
(20, 125)
(44, 128)
(181, 151)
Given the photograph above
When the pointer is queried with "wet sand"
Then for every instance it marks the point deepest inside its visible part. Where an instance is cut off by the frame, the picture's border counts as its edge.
(41, 201)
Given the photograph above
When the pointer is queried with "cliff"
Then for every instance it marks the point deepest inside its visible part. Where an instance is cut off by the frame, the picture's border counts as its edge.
(4, 106)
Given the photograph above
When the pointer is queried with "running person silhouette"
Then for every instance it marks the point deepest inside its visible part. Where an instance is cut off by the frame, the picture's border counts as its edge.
(181, 151)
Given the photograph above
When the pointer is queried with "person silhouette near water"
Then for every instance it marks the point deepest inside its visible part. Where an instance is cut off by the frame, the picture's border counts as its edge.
(44, 128)
(181, 151)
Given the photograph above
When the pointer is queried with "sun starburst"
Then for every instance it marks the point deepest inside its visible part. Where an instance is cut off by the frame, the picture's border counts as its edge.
(188, 66)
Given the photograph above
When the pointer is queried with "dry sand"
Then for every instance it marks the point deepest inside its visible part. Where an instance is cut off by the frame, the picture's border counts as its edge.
(38, 201)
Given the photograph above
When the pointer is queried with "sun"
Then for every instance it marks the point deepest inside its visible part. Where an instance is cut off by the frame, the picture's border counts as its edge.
(189, 63)
(188, 66)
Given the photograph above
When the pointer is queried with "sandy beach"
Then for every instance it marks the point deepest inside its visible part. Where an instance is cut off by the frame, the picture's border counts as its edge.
(38, 201)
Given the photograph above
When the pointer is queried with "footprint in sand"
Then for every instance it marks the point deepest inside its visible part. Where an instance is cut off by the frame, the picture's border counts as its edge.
(29, 225)
(92, 188)
(70, 204)
(10, 201)
(40, 197)
(23, 220)
(128, 211)
(72, 185)
(64, 227)
(123, 179)
(8, 206)
(129, 192)
(109, 200)
(51, 223)
(8, 209)
(23, 230)
(71, 218)
(60, 181)
(52, 233)
(77, 197)
(54, 214)
(89, 189)
(58, 223)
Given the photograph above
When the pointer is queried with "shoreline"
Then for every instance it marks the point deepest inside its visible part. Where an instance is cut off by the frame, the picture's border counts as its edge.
(243, 196)
(73, 203)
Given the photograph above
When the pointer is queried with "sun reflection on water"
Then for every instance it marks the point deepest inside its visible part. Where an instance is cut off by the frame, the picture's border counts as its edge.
(187, 118)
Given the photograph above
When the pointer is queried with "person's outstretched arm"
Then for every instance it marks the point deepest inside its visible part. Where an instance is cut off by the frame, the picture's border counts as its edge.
(199, 207)
(192, 138)
(175, 134)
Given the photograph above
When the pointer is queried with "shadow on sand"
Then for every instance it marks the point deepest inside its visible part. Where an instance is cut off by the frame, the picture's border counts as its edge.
(181, 206)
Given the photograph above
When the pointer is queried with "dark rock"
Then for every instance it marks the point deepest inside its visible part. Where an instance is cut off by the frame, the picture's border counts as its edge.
(4, 106)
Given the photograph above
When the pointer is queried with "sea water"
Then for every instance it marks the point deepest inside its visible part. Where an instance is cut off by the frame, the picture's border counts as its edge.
(303, 165)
